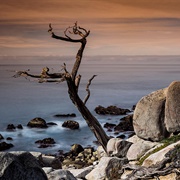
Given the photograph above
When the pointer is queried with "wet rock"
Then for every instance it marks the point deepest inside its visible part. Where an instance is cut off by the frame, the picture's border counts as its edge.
(65, 115)
(109, 125)
(112, 110)
(19, 126)
(76, 149)
(1, 137)
(47, 142)
(11, 127)
(9, 138)
(126, 124)
(37, 123)
(5, 146)
(51, 124)
(71, 124)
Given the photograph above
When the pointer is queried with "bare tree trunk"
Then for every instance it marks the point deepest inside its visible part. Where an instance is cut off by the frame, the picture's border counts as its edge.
(92, 122)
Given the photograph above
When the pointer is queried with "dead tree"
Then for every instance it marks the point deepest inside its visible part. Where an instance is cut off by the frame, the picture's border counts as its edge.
(73, 80)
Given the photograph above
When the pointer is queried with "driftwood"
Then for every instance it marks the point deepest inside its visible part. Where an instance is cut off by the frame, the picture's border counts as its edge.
(73, 80)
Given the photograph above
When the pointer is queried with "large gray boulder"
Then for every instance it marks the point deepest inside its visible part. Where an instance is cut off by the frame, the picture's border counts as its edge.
(22, 166)
(172, 108)
(148, 119)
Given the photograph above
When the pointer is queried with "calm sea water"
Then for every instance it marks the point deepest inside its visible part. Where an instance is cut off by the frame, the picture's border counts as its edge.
(121, 81)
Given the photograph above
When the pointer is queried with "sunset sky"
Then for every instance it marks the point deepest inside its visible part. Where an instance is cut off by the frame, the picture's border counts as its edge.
(118, 27)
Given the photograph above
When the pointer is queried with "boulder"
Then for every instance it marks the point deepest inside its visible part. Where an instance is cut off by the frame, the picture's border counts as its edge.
(76, 149)
(71, 124)
(23, 166)
(60, 174)
(159, 156)
(118, 147)
(148, 119)
(81, 173)
(108, 168)
(37, 123)
(4, 146)
(112, 110)
(19, 126)
(138, 148)
(172, 107)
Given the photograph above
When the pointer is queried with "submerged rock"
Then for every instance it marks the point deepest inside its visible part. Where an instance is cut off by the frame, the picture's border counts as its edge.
(65, 115)
(37, 123)
(112, 110)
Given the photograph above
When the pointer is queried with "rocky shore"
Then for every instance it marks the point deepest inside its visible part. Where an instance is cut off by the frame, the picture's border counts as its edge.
(151, 152)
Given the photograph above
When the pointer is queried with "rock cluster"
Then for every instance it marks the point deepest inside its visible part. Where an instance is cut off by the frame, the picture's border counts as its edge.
(157, 115)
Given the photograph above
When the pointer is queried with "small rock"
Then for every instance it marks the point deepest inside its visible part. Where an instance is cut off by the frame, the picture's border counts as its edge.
(71, 124)
(47, 142)
(65, 115)
(19, 126)
(51, 124)
(11, 127)
(37, 123)
(9, 138)
(76, 149)
(1, 137)
(5, 146)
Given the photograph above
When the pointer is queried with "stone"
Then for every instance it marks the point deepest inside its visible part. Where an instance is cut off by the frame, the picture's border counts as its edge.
(51, 124)
(23, 166)
(148, 119)
(60, 175)
(11, 127)
(138, 148)
(112, 110)
(81, 173)
(76, 149)
(46, 142)
(158, 156)
(1, 137)
(4, 146)
(118, 147)
(19, 126)
(108, 168)
(65, 115)
(71, 124)
(9, 138)
(37, 123)
(109, 125)
(172, 107)
(126, 124)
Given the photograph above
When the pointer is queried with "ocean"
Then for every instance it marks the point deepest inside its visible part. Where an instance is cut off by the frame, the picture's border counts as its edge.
(120, 81)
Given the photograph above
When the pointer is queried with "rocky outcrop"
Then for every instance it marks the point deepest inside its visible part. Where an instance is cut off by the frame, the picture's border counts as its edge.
(23, 166)
(37, 123)
(71, 124)
(112, 110)
(172, 107)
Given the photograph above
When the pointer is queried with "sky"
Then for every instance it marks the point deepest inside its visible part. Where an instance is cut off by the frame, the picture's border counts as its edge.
(118, 27)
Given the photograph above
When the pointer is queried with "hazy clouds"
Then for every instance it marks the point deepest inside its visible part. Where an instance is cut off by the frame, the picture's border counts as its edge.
(117, 26)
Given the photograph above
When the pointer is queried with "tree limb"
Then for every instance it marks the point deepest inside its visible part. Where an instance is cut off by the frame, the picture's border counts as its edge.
(87, 89)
